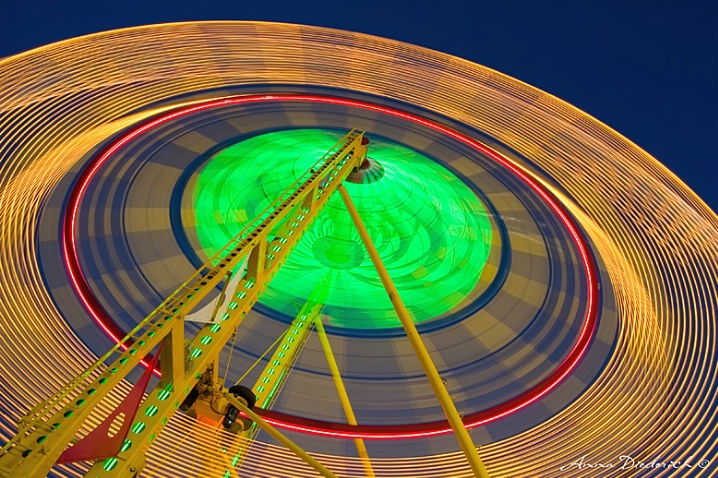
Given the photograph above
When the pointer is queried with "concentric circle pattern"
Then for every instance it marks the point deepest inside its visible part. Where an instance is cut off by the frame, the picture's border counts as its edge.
(547, 304)
(563, 280)
(436, 260)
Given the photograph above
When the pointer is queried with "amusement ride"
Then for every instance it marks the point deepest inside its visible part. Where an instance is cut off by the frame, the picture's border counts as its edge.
(242, 249)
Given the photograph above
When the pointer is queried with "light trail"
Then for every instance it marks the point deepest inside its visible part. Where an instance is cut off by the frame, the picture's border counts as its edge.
(656, 395)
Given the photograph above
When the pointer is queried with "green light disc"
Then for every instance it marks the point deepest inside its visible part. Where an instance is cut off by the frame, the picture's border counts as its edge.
(429, 227)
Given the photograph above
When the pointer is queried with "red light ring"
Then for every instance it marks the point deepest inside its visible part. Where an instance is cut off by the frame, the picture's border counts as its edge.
(319, 427)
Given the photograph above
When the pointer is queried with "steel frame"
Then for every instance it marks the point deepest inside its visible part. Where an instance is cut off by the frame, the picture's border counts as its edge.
(46, 430)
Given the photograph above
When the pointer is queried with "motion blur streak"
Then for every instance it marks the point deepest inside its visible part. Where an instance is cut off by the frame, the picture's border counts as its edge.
(658, 239)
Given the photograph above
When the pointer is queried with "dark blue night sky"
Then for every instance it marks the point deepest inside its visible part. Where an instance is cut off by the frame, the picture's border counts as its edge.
(648, 69)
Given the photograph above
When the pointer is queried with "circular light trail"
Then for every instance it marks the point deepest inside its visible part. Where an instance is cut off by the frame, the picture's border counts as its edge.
(335, 429)
(654, 399)
(409, 213)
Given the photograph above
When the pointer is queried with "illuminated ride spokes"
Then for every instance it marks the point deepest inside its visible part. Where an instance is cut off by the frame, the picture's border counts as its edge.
(190, 379)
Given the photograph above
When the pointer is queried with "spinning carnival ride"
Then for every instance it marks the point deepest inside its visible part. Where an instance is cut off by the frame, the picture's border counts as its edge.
(561, 281)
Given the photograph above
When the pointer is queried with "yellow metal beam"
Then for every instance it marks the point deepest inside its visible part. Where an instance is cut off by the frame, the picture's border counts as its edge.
(272, 377)
(47, 430)
(343, 396)
(417, 344)
(277, 435)
(172, 356)
(285, 355)
(210, 340)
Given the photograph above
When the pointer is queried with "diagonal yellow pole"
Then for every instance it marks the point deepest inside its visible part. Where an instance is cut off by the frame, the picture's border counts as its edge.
(452, 415)
(343, 396)
(279, 436)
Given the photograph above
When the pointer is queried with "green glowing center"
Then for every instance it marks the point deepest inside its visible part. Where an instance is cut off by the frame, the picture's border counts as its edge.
(428, 226)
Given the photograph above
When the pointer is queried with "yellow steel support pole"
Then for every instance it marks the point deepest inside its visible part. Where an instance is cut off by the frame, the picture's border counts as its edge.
(48, 428)
(343, 396)
(282, 360)
(417, 344)
(271, 379)
(277, 435)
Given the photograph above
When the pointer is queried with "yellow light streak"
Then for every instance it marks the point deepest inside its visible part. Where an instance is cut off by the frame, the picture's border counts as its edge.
(657, 238)
(343, 396)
